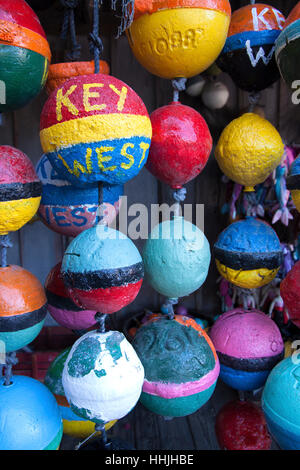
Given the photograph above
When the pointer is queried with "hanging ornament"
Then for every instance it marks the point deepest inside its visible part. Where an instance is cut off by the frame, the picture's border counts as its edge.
(181, 144)
(293, 182)
(249, 345)
(287, 47)
(24, 55)
(181, 365)
(248, 253)
(29, 416)
(102, 270)
(290, 292)
(215, 94)
(281, 403)
(68, 209)
(73, 425)
(20, 189)
(95, 128)
(249, 149)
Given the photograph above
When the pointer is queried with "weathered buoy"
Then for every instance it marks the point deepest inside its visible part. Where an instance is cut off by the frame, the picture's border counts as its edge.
(22, 307)
(95, 128)
(29, 416)
(177, 38)
(181, 365)
(248, 55)
(215, 95)
(69, 209)
(102, 270)
(281, 404)
(249, 345)
(293, 182)
(102, 377)
(176, 258)
(20, 187)
(73, 425)
(248, 253)
(290, 292)
(24, 55)
(181, 144)
(248, 150)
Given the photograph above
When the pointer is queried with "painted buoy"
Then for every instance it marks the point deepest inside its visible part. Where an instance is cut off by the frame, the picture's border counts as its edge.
(102, 377)
(73, 425)
(248, 55)
(248, 253)
(181, 144)
(181, 365)
(249, 149)
(69, 209)
(95, 128)
(176, 258)
(249, 345)
(215, 95)
(281, 404)
(287, 47)
(241, 425)
(29, 416)
(20, 189)
(102, 270)
(290, 292)
(24, 55)
(178, 38)
(61, 307)
(293, 182)
(22, 307)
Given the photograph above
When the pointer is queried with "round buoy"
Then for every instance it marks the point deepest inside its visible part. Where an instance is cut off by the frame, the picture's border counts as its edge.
(69, 209)
(293, 182)
(29, 416)
(181, 144)
(95, 128)
(20, 189)
(22, 307)
(180, 362)
(249, 345)
(24, 55)
(194, 86)
(290, 292)
(102, 270)
(215, 95)
(102, 377)
(248, 253)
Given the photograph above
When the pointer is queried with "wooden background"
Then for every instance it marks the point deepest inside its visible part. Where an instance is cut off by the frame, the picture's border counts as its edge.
(38, 249)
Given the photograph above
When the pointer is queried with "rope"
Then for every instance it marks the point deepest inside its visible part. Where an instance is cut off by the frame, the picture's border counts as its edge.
(11, 360)
(69, 24)
(98, 428)
(179, 196)
(101, 318)
(127, 14)
(168, 307)
(253, 98)
(96, 45)
(4, 244)
(178, 85)
(252, 2)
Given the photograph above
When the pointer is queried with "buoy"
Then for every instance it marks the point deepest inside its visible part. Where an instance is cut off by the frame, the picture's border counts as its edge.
(181, 144)
(248, 253)
(281, 403)
(248, 55)
(22, 307)
(249, 345)
(180, 362)
(24, 55)
(290, 292)
(215, 95)
(176, 258)
(29, 416)
(102, 270)
(69, 209)
(293, 182)
(73, 425)
(194, 86)
(95, 128)
(248, 150)
(102, 377)
(20, 189)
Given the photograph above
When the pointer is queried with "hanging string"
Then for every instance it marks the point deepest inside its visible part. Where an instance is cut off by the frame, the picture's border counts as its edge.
(4, 244)
(69, 25)
(178, 85)
(98, 428)
(179, 196)
(101, 318)
(96, 45)
(127, 14)
(11, 360)
(168, 308)
(254, 98)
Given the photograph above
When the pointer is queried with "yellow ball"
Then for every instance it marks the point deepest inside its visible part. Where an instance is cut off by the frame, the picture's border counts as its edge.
(296, 198)
(247, 279)
(249, 149)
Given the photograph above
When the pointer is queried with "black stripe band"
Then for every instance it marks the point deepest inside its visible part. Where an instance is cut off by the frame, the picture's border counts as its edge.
(58, 301)
(246, 261)
(23, 320)
(15, 191)
(293, 182)
(250, 364)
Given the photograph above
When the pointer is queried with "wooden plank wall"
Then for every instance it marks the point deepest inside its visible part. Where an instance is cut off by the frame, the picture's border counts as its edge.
(38, 249)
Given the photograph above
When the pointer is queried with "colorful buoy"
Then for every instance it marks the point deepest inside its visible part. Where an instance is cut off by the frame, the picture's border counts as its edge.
(290, 292)
(24, 55)
(181, 144)
(22, 307)
(178, 38)
(29, 416)
(20, 189)
(293, 182)
(102, 270)
(249, 345)
(102, 377)
(248, 253)
(95, 128)
(181, 365)
(69, 209)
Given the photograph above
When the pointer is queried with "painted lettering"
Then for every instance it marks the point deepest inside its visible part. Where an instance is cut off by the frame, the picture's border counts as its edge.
(77, 167)
(260, 17)
(259, 56)
(59, 218)
(279, 18)
(87, 94)
(144, 146)
(124, 153)
(78, 217)
(63, 100)
(102, 159)
(122, 96)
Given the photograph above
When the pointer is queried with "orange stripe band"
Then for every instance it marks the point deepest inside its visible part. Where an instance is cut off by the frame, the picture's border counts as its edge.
(147, 6)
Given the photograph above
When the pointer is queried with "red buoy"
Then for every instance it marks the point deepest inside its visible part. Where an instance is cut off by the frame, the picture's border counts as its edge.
(290, 292)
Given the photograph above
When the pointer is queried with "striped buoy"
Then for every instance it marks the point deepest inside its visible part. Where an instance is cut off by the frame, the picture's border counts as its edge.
(293, 181)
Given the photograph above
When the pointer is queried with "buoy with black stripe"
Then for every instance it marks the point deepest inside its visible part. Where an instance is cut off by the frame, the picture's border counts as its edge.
(20, 189)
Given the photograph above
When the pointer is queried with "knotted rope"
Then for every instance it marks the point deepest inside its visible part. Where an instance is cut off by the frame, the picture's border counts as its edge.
(178, 85)
(4, 244)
